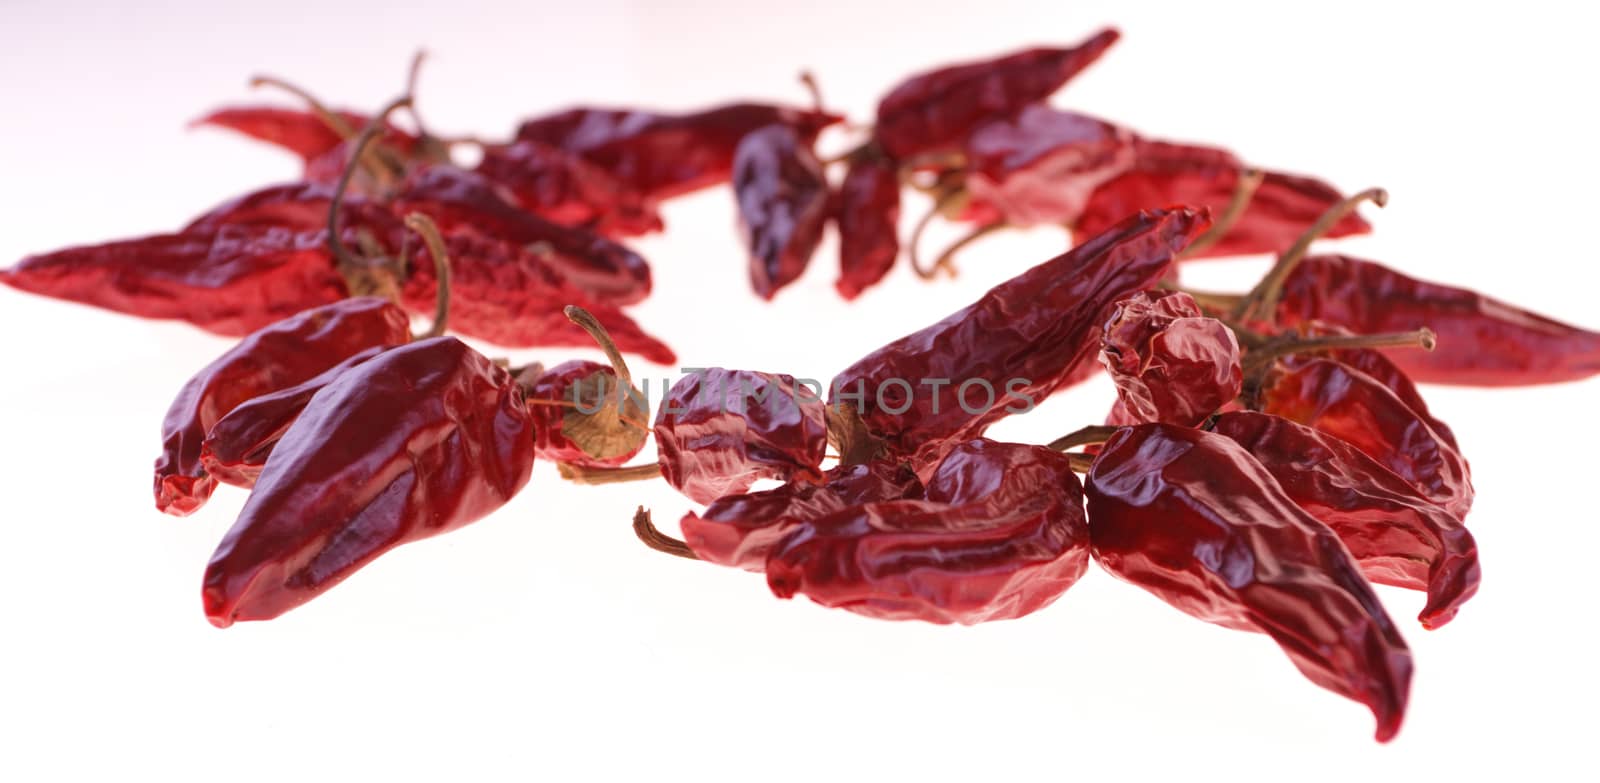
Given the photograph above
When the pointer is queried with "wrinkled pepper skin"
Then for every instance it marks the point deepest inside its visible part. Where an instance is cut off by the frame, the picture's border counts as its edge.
(566, 189)
(416, 442)
(231, 281)
(1482, 341)
(1025, 338)
(276, 357)
(300, 132)
(740, 530)
(501, 293)
(1383, 370)
(238, 445)
(936, 110)
(1041, 167)
(563, 383)
(1195, 520)
(301, 206)
(1399, 537)
(1170, 363)
(783, 195)
(666, 155)
(1283, 207)
(1000, 533)
(1350, 405)
(718, 431)
(461, 201)
(868, 217)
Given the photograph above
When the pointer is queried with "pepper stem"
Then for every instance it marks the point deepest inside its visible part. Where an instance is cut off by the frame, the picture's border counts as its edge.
(1081, 463)
(1243, 191)
(657, 540)
(329, 117)
(946, 259)
(1276, 349)
(810, 81)
(411, 88)
(582, 474)
(1084, 436)
(586, 321)
(341, 254)
(943, 201)
(429, 231)
(1262, 300)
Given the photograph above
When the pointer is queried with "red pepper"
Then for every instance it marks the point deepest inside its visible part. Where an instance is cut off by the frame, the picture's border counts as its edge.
(1482, 341)
(740, 530)
(303, 133)
(1283, 205)
(1041, 167)
(937, 109)
(868, 216)
(275, 357)
(999, 533)
(1383, 370)
(418, 441)
(1191, 517)
(566, 189)
(1399, 536)
(718, 431)
(1170, 363)
(1020, 342)
(783, 204)
(300, 206)
(666, 155)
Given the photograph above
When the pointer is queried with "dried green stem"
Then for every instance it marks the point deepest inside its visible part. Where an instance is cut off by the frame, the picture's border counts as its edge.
(1262, 301)
(1243, 191)
(582, 474)
(342, 254)
(1266, 353)
(657, 540)
(1084, 436)
(429, 231)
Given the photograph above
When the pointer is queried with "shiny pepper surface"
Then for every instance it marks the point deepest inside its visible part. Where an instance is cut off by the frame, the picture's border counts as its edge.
(276, 357)
(301, 206)
(868, 215)
(783, 205)
(1482, 341)
(1020, 342)
(1283, 206)
(300, 132)
(564, 188)
(419, 441)
(1191, 517)
(937, 109)
(1041, 167)
(718, 431)
(1399, 537)
(1348, 404)
(741, 529)
(999, 533)
(573, 384)
(1169, 361)
(666, 155)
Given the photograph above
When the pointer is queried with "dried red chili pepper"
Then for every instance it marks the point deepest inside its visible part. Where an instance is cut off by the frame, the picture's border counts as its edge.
(666, 155)
(585, 413)
(1025, 339)
(937, 109)
(1399, 536)
(275, 357)
(307, 134)
(1041, 166)
(740, 530)
(998, 534)
(1191, 517)
(1281, 207)
(300, 206)
(783, 204)
(718, 431)
(566, 189)
(1384, 371)
(868, 216)
(1170, 363)
(419, 441)
(1482, 341)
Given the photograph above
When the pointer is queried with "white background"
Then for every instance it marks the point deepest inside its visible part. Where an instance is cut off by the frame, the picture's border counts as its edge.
(544, 641)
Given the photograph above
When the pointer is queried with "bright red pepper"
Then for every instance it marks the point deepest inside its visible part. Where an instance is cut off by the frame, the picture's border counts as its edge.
(1482, 341)
(1170, 363)
(275, 357)
(783, 204)
(937, 109)
(418, 441)
(303, 133)
(1191, 517)
(1399, 536)
(868, 216)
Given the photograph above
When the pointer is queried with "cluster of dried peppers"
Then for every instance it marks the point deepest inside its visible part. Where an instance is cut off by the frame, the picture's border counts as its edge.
(1267, 456)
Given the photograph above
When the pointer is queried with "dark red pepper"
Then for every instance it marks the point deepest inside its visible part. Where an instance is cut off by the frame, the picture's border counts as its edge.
(868, 216)
(1169, 361)
(419, 441)
(1191, 517)
(304, 133)
(275, 357)
(1041, 167)
(1399, 536)
(783, 204)
(938, 109)
(564, 188)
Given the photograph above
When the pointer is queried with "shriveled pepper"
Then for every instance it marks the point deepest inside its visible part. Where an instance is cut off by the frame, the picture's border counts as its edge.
(1191, 517)
(1041, 166)
(273, 358)
(1169, 361)
(1020, 342)
(868, 216)
(1398, 535)
(586, 413)
(937, 109)
(783, 204)
(419, 441)
(1482, 341)
(564, 188)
